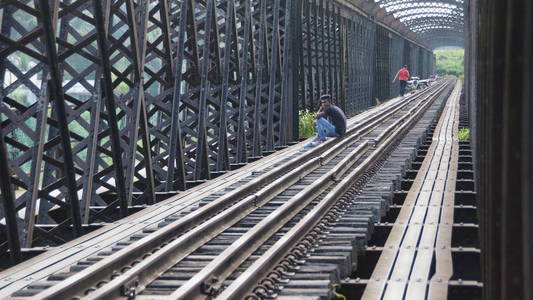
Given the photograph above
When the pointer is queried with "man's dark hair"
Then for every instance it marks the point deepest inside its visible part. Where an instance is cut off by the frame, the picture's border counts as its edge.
(405, 66)
(325, 97)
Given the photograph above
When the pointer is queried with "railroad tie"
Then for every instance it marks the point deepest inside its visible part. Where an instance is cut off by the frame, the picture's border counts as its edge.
(423, 227)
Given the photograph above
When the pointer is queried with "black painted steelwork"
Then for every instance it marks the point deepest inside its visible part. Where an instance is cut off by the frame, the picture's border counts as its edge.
(437, 22)
(360, 43)
(321, 57)
(396, 61)
(105, 103)
(383, 64)
(413, 61)
(8, 201)
(498, 84)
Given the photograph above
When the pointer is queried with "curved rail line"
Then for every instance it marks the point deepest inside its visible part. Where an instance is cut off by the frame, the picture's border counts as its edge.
(329, 169)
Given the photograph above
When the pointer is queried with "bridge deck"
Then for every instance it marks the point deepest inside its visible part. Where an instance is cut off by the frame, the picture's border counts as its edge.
(62, 257)
(423, 229)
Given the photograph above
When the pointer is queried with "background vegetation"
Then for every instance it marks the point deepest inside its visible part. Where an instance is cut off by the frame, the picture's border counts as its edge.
(450, 62)
(307, 127)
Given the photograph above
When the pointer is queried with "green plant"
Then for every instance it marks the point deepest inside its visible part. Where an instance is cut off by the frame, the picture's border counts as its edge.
(306, 123)
(338, 296)
(464, 134)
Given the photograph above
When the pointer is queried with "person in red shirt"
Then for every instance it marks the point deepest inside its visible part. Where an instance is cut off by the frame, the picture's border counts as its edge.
(402, 75)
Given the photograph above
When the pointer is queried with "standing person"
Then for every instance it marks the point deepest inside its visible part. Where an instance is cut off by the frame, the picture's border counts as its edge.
(403, 76)
(336, 128)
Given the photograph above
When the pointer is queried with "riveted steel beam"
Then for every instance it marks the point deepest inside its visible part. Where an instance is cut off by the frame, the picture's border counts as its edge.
(433, 16)
(430, 21)
(389, 3)
(414, 13)
(424, 28)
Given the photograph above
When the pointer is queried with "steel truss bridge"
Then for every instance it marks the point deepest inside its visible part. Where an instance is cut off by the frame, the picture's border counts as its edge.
(110, 105)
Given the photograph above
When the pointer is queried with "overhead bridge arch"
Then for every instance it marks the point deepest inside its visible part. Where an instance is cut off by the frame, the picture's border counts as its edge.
(432, 20)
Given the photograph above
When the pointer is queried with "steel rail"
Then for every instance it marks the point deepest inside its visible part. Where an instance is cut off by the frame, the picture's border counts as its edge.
(106, 268)
(147, 270)
(244, 283)
(378, 118)
(221, 267)
(401, 120)
(227, 261)
(138, 276)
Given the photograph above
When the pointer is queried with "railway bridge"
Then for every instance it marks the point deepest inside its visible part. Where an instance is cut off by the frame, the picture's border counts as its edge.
(154, 149)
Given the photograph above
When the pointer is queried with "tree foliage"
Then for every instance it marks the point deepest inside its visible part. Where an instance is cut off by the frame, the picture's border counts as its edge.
(450, 62)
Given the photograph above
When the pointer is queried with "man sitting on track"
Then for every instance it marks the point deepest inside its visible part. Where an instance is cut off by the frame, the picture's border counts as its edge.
(325, 128)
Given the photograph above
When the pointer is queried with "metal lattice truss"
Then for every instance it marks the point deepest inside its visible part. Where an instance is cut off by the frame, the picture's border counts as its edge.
(104, 103)
(437, 22)
(109, 105)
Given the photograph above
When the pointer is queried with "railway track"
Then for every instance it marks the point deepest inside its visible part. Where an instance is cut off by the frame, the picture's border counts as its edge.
(230, 242)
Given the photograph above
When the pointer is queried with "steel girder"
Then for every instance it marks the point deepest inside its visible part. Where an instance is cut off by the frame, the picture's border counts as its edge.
(396, 61)
(428, 16)
(389, 3)
(383, 64)
(72, 117)
(413, 60)
(437, 42)
(321, 55)
(432, 17)
(360, 47)
(450, 37)
(499, 42)
(431, 28)
(105, 104)
(424, 7)
(428, 21)
(444, 33)
(450, 33)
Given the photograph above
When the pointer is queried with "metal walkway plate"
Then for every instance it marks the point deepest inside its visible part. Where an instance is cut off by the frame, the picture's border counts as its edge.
(423, 228)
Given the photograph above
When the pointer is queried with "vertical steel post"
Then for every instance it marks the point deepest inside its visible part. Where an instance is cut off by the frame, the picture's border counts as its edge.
(8, 201)
(201, 168)
(327, 16)
(230, 53)
(56, 92)
(296, 68)
(336, 56)
(7, 194)
(136, 17)
(262, 74)
(274, 78)
(311, 43)
(102, 24)
(317, 50)
(175, 162)
(321, 53)
(245, 72)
